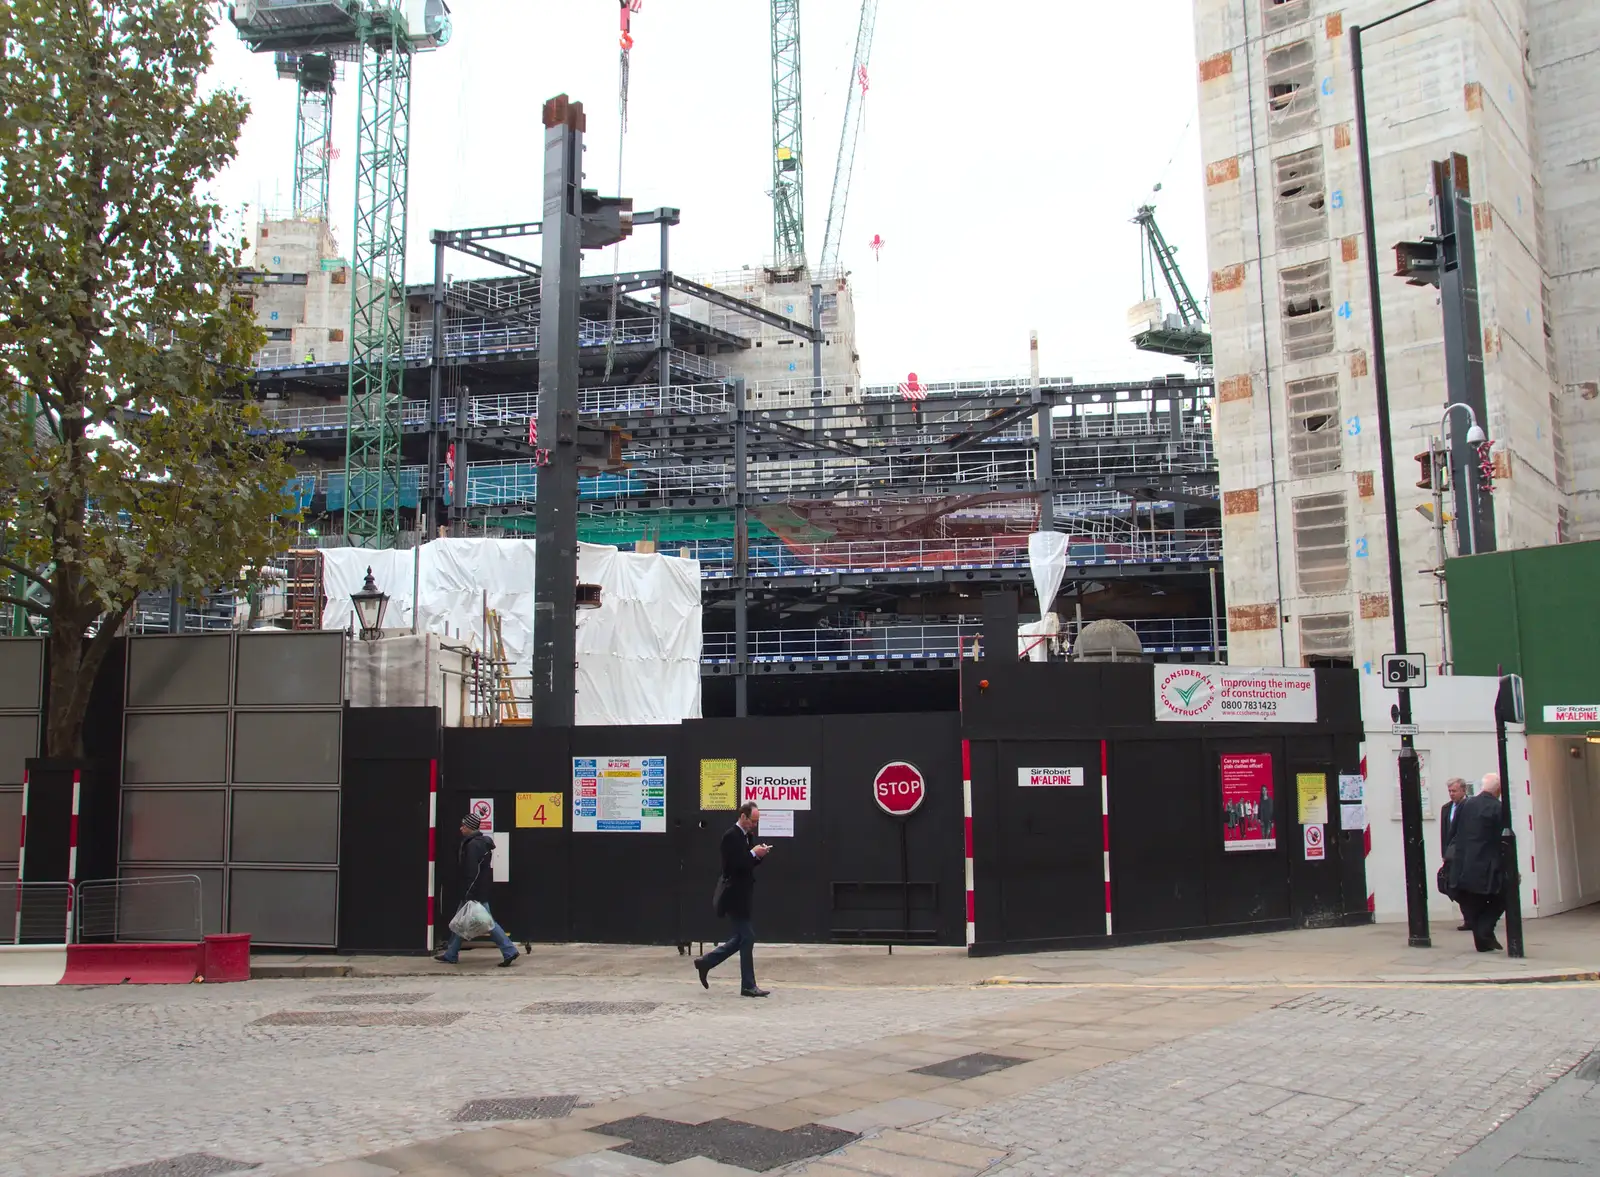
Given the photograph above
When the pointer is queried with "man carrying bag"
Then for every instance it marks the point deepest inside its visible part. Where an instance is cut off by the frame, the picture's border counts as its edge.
(472, 919)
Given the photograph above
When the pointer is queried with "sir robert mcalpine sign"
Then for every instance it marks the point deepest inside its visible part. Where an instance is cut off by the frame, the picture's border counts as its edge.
(776, 788)
(1238, 694)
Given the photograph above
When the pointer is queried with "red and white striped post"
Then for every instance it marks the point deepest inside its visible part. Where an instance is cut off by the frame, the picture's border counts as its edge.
(1366, 842)
(433, 821)
(22, 854)
(966, 826)
(72, 848)
(1105, 829)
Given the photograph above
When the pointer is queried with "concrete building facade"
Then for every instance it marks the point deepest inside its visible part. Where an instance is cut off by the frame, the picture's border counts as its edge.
(1513, 86)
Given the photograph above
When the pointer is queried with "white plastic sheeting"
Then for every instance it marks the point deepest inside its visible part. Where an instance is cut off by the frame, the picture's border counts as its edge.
(1047, 561)
(1034, 638)
(638, 654)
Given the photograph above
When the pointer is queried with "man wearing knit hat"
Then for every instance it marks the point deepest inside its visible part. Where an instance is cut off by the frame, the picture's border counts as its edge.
(477, 849)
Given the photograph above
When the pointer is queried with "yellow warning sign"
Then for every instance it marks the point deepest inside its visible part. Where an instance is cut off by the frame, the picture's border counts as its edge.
(539, 811)
(718, 784)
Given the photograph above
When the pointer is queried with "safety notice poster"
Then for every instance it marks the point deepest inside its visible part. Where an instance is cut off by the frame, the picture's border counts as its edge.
(1248, 821)
(619, 794)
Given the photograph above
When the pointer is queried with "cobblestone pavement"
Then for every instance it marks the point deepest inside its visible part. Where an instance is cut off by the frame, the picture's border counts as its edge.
(365, 1077)
(1349, 1081)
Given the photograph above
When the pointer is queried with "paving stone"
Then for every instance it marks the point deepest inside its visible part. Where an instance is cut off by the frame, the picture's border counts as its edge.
(537, 1107)
(918, 1144)
(194, 1164)
(350, 1169)
(864, 1158)
(891, 1113)
(969, 1066)
(353, 1017)
(574, 1009)
(733, 1142)
(704, 1167)
(603, 1164)
(370, 998)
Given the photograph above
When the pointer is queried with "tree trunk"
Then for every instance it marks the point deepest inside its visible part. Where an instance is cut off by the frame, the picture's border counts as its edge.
(75, 662)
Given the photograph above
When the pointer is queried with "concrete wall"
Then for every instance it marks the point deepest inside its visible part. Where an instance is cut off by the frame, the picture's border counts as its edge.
(1276, 119)
(1564, 59)
(317, 314)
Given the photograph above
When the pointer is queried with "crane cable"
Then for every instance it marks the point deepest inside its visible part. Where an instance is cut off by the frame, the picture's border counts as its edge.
(627, 8)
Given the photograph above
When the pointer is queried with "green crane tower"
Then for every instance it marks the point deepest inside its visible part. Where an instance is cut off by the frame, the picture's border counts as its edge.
(314, 75)
(384, 35)
(788, 178)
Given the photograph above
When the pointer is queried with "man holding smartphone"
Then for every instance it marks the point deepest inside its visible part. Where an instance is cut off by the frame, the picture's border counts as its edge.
(734, 898)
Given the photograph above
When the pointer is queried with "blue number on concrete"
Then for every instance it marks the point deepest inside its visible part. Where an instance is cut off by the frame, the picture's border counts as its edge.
(277, 260)
(1361, 548)
(1338, 198)
(273, 316)
(1344, 310)
(1353, 427)
(1327, 85)
(1366, 668)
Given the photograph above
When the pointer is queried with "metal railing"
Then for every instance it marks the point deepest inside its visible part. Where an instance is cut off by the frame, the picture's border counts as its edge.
(41, 913)
(154, 908)
(894, 643)
(778, 558)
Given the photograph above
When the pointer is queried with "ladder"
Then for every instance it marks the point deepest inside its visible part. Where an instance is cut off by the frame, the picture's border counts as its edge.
(302, 589)
(507, 707)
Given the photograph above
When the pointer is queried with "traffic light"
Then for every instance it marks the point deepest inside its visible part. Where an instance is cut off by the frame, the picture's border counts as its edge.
(1425, 460)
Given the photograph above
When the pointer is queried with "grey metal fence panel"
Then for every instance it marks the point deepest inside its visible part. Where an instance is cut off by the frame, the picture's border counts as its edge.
(147, 909)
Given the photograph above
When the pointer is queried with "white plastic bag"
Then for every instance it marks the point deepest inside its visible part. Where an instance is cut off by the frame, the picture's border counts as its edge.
(471, 920)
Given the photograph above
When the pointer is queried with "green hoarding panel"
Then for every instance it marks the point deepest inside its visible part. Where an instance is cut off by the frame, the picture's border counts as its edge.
(1533, 612)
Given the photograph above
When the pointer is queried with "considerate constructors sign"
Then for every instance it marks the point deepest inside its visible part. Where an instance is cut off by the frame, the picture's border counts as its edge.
(1240, 694)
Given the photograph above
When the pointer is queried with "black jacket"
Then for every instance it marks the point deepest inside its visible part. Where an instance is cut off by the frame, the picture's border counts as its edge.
(1475, 864)
(738, 886)
(1447, 828)
(477, 872)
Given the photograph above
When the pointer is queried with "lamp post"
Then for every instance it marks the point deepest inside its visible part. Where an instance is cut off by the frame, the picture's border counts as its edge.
(1475, 436)
(1410, 769)
(370, 605)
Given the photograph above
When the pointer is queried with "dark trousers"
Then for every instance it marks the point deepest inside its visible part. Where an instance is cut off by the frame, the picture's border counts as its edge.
(743, 942)
(1482, 912)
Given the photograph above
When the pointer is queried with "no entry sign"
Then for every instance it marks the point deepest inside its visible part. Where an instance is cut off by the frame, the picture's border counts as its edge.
(899, 788)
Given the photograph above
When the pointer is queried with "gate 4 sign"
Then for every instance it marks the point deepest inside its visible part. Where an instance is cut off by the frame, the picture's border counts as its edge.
(483, 809)
(1316, 850)
(539, 811)
(899, 788)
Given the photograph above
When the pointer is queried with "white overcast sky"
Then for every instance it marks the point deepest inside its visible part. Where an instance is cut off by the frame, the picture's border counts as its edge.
(1005, 148)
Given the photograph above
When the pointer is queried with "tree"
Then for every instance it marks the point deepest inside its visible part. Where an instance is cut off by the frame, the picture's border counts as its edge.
(144, 463)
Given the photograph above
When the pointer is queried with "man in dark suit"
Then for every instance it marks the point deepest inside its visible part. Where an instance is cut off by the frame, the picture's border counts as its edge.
(1447, 832)
(1476, 871)
(735, 897)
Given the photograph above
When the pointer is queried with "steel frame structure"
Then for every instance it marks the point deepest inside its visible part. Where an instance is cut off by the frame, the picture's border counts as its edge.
(314, 75)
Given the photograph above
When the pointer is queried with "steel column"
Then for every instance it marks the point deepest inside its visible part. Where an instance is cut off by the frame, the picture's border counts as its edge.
(555, 573)
(741, 559)
(434, 492)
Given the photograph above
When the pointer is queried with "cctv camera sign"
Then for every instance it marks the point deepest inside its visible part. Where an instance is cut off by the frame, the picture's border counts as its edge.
(1235, 694)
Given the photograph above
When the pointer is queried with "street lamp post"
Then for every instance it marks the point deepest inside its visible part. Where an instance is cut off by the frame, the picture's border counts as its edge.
(1475, 436)
(1410, 769)
(370, 605)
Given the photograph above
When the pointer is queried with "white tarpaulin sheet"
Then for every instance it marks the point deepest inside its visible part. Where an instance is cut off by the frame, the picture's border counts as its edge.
(1034, 638)
(1047, 561)
(638, 654)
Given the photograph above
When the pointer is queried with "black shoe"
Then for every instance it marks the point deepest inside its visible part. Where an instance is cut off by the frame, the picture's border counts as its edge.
(701, 967)
(1486, 947)
(443, 959)
(1496, 946)
(1464, 928)
(753, 993)
(507, 961)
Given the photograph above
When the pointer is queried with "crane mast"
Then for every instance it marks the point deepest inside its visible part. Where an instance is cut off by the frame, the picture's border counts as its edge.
(855, 107)
(788, 180)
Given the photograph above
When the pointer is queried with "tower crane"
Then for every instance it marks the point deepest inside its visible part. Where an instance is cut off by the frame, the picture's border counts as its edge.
(314, 75)
(1184, 334)
(788, 170)
(855, 108)
(383, 36)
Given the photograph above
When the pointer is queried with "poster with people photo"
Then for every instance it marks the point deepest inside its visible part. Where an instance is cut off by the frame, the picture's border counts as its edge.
(1248, 819)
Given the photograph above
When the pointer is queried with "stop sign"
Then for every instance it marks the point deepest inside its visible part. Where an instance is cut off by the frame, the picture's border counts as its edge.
(899, 788)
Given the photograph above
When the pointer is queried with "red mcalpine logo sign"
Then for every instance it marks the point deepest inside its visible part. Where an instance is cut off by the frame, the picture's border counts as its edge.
(899, 788)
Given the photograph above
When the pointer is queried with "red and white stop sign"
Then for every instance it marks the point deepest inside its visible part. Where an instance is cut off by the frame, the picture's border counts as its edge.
(899, 788)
